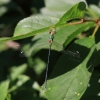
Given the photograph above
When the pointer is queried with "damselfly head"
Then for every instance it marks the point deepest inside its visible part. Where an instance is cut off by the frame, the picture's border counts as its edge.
(52, 31)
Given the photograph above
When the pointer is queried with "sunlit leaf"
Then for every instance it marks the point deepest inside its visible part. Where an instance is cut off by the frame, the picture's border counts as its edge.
(76, 11)
(4, 89)
(57, 8)
(69, 79)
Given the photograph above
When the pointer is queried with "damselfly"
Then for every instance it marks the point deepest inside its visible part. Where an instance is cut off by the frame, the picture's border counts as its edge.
(50, 44)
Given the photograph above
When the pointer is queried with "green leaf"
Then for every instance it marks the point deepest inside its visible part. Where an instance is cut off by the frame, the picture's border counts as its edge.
(31, 26)
(4, 89)
(57, 8)
(62, 38)
(35, 24)
(93, 90)
(98, 47)
(3, 10)
(22, 79)
(58, 5)
(38, 66)
(16, 71)
(69, 79)
(95, 9)
(98, 54)
(76, 11)
(4, 39)
(8, 97)
(2, 2)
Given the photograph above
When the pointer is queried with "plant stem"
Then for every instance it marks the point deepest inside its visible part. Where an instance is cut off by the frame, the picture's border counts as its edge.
(92, 13)
(95, 30)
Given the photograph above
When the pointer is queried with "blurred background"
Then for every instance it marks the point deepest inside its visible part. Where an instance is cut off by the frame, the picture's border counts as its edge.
(26, 73)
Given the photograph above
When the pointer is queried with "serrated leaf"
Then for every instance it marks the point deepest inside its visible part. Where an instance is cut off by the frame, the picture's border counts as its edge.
(69, 79)
(76, 11)
(4, 89)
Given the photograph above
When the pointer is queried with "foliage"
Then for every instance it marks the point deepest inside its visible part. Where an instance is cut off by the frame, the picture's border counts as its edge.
(73, 74)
